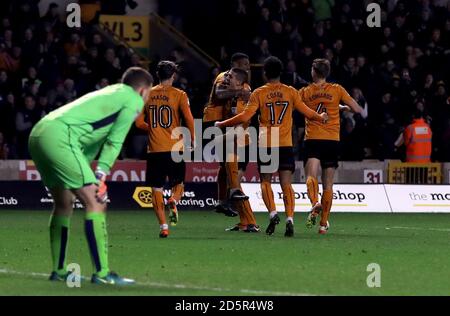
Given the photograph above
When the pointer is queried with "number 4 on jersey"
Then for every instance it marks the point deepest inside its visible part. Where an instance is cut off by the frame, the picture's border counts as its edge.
(321, 108)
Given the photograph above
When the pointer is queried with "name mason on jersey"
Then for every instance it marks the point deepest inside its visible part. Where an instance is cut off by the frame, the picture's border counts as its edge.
(159, 98)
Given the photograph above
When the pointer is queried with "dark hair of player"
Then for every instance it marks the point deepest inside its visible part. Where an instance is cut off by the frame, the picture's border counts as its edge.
(238, 56)
(137, 77)
(241, 74)
(321, 67)
(165, 69)
(273, 67)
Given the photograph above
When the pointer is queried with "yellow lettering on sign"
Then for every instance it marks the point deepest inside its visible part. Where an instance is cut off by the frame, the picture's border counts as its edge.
(132, 29)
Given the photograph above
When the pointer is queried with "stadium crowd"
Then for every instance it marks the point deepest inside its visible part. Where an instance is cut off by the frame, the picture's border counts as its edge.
(391, 71)
(44, 64)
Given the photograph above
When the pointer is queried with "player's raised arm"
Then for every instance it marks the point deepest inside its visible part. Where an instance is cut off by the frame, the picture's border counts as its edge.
(300, 106)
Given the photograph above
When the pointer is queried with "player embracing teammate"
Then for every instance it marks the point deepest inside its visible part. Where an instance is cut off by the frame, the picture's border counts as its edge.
(275, 102)
(229, 95)
(322, 140)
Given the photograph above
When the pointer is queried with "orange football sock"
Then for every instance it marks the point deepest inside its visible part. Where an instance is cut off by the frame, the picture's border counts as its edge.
(177, 191)
(327, 201)
(242, 216)
(267, 195)
(158, 206)
(312, 186)
(249, 213)
(288, 199)
(222, 183)
(232, 173)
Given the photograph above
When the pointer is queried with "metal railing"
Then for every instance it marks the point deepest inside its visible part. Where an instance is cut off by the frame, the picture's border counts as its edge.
(414, 173)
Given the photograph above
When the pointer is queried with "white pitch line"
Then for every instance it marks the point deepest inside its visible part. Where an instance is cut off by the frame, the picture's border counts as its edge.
(420, 228)
(175, 286)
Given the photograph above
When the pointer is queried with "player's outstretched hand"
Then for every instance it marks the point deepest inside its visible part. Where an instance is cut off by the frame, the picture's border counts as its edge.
(324, 117)
(102, 188)
(218, 124)
(344, 108)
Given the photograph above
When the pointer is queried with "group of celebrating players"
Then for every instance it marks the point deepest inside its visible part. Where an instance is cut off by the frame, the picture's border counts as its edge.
(65, 142)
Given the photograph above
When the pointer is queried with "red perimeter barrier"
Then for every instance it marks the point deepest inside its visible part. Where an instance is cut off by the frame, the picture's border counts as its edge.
(134, 171)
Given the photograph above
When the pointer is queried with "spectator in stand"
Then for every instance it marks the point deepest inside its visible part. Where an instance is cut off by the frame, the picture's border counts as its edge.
(323, 9)
(26, 118)
(52, 18)
(76, 46)
(8, 38)
(7, 117)
(5, 84)
(111, 68)
(4, 148)
(30, 48)
(263, 51)
(30, 80)
(291, 77)
(9, 62)
(102, 84)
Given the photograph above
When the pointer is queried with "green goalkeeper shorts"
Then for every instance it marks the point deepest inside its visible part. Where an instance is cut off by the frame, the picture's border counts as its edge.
(58, 157)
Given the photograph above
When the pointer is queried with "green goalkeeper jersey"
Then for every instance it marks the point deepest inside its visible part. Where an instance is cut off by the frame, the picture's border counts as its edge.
(99, 121)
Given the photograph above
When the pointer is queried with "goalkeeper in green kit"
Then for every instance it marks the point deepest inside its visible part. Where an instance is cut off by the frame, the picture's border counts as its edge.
(63, 145)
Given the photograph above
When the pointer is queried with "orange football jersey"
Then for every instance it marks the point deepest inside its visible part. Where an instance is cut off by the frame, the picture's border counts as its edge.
(324, 97)
(218, 109)
(163, 111)
(275, 103)
(215, 107)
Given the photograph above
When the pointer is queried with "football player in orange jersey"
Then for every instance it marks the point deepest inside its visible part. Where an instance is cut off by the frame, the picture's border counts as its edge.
(322, 140)
(214, 111)
(166, 106)
(236, 79)
(275, 103)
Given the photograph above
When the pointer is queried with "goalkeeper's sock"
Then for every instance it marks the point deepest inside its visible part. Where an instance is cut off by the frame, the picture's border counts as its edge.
(177, 191)
(232, 174)
(222, 183)
(288, 199)
(59, 237)
(327, 201)
(312, 186)
(158, 205)
(267, 195)
(97, 237)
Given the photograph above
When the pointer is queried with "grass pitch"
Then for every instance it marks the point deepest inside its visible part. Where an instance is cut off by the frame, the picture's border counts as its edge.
(200, 258)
